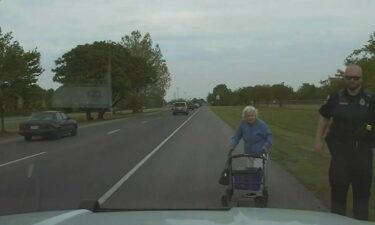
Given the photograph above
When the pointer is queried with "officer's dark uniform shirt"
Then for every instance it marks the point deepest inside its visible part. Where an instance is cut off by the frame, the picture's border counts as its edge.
(353, 117)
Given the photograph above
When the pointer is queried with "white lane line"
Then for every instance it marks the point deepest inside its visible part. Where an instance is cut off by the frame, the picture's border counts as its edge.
(114, 131)
(115, 187)
(17, 160)
(143, 122)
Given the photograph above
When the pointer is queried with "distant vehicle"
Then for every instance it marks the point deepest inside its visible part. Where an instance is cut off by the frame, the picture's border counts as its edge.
(180, 107)
(191, 106)
(48, 124)
(196, 105)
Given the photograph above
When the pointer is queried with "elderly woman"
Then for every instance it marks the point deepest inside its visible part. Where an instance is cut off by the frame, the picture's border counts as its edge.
(254, 132)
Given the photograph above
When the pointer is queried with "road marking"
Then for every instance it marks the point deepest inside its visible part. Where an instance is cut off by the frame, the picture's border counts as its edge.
(115, 187)
(143, 122)
(114, 131)
(24, 158)
(30, 170)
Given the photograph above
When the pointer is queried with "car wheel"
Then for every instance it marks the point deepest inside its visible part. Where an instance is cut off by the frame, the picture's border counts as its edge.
(28, 138)
(75, 131)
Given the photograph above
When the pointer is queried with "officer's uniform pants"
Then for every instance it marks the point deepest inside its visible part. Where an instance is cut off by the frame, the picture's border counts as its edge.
(350, 164)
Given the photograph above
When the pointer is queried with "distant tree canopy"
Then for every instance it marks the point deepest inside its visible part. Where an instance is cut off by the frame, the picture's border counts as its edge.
(138, 73)
(221, 95)
(279, 93)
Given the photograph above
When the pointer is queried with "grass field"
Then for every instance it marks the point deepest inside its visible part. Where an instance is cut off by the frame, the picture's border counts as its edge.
(293, 129)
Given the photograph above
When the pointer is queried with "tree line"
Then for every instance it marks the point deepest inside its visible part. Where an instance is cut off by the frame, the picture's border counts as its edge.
(280, 93)
(139, 74)
(138, 71)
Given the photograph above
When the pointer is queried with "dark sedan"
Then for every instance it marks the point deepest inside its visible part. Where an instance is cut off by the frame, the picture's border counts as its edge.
(48, 124)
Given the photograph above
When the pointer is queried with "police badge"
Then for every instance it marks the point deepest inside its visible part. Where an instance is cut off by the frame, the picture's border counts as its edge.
(362, 102)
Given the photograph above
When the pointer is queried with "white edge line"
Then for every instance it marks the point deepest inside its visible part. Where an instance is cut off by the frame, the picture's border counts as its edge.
(115, 187)
(143, 122)
(17, 160)
(114, 131)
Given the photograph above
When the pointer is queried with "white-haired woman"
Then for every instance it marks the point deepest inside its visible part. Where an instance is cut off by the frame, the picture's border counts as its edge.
(254, 132)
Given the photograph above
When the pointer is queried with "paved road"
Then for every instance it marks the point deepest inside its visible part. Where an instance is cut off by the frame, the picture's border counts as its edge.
(75, 168)
(161, 161)
(184, 173)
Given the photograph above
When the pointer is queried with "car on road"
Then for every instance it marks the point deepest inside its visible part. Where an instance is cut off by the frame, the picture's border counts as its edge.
(48, 124)
(191, 106)
(180, 107)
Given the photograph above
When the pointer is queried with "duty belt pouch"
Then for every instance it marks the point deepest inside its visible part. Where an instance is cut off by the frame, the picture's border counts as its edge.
(365, 133)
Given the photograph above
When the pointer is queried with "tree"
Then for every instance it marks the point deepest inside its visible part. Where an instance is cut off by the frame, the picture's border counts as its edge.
(246, 95)
(142, 48)
(307, 91)
(365, 57)
(19, 71)
(281, 92)
(89, 65)
(331, 84)
(222, 95)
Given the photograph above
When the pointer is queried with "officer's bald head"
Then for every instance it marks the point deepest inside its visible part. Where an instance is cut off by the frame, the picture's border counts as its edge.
(353, 70)
(353, 77)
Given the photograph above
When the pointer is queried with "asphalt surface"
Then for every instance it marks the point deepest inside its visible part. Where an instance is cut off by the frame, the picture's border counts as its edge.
(184, 173)
(152, 161)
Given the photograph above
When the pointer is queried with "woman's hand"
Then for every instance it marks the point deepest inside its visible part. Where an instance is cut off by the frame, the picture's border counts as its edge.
(265, 151)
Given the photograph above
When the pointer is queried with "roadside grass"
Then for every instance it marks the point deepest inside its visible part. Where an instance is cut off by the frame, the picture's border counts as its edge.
(12, 127)
(293, 129)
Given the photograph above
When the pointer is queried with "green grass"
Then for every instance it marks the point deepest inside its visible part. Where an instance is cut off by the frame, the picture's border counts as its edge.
(293, 129)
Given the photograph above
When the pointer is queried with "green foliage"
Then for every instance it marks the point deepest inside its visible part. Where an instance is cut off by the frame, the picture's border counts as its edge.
(138, 70)
(19, 71)
(307, 91)
(365, 57)
(250, 95)
(143, 49)
(281, 93)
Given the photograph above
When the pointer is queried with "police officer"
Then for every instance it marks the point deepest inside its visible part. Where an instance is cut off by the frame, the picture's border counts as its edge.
(350, 140)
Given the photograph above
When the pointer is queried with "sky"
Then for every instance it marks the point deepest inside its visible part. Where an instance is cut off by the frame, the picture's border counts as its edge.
(205, 43)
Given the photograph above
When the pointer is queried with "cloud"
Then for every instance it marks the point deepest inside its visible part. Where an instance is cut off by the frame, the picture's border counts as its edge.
(242, 42)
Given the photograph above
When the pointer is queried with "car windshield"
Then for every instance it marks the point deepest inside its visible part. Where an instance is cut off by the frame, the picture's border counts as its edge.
(151, 99)
(42, 116)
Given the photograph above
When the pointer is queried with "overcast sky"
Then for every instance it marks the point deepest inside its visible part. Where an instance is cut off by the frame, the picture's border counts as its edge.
(205, 42)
